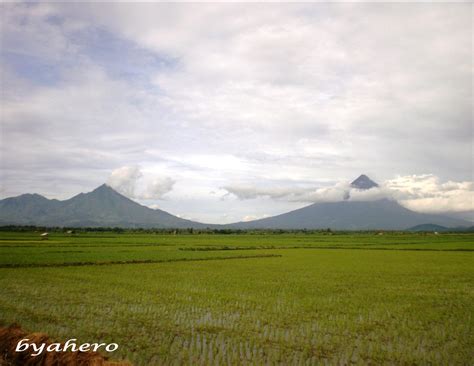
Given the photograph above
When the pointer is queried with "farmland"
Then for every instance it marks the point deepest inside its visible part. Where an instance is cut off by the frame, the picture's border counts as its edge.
(210, 299)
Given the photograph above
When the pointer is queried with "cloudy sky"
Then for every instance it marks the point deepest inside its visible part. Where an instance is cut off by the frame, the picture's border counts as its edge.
(224, 112)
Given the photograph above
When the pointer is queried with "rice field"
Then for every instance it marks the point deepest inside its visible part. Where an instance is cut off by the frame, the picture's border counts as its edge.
(248, 299)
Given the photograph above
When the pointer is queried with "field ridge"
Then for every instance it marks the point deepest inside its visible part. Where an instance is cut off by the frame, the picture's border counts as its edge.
(144, 261)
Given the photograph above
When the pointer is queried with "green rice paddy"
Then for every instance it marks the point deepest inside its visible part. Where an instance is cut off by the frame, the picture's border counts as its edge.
(250, 299)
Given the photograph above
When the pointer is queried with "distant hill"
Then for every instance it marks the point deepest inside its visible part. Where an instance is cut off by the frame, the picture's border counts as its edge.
(103, 207)
(439, 228)
(428, 227)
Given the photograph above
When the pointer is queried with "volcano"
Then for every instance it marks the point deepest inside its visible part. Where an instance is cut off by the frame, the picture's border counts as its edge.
(363, 182)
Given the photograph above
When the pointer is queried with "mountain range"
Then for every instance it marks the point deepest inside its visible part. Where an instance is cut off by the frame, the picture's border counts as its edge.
(104, 207)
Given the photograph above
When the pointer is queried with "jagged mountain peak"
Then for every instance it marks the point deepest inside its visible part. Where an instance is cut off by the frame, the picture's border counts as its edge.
(104, 188)
(104, 191)
(32, 196)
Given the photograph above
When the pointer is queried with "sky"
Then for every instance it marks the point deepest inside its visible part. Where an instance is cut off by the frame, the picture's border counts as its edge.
(221, 112)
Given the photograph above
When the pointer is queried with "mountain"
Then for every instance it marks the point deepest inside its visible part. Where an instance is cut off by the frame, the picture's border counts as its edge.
(353, 215)
(363, 182)
(103, 207)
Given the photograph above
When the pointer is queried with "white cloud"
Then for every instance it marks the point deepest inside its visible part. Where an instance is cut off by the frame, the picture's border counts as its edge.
(158, 188)
(249, 192)
(426, 193)
(124, 180)
(423, 193)
(339, 192)
(127, 180)
(254, 217)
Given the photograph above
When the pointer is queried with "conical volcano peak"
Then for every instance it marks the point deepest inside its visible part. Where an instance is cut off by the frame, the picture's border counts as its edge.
(363, 182)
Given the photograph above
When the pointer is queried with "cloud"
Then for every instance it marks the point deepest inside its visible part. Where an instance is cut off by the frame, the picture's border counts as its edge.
(426, 193)
(124, 180)
(249, 192)
(288, 71)
(26, 29)
(338, 192)
(127, 180)
(158, 188)
(423, 193)
(254, 217)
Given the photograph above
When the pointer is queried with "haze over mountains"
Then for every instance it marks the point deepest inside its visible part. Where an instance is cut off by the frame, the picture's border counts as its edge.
(104, 207)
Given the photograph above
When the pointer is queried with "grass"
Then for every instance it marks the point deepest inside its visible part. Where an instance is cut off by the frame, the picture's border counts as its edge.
(306, 307)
